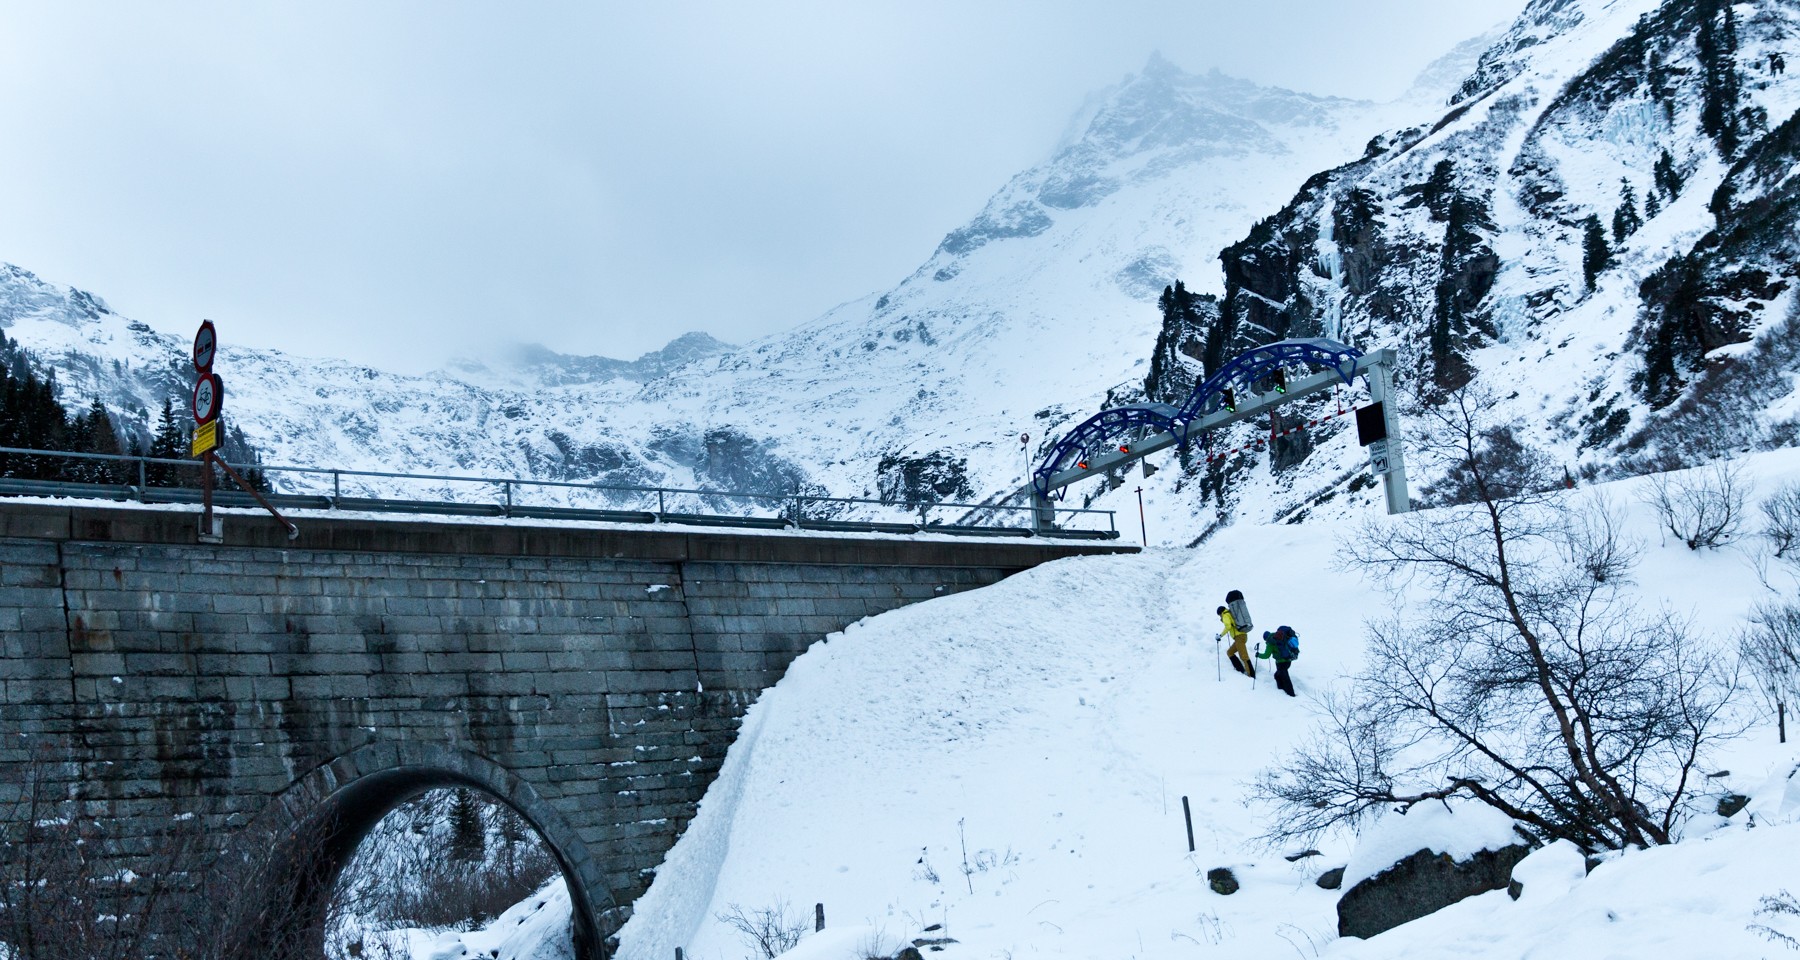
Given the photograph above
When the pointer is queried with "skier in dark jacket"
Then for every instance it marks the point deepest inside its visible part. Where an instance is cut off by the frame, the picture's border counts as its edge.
(1281, 646)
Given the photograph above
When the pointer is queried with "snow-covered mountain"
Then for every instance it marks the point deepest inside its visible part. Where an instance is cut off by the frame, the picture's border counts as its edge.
(1599, 225)
(1591, 211)
(1020, 322)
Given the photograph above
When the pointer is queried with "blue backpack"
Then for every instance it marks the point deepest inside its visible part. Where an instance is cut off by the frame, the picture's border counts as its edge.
(1287, 643)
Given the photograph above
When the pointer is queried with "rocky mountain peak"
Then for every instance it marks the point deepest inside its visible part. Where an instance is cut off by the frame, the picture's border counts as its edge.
(23, 294)
(530, 365)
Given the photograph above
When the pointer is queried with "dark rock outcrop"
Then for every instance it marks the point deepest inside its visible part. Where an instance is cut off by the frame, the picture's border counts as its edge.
(935, 477)
(1422, 883)
(1222, 880)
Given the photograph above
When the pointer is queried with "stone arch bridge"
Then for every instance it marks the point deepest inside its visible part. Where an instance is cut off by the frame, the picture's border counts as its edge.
(590, 678)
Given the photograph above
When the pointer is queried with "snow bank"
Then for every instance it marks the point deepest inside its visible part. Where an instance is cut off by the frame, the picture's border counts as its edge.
(1697, 898)
(670, 912)
(1458, 828)
(536, 928)
(1778, 800)
(1550, 871)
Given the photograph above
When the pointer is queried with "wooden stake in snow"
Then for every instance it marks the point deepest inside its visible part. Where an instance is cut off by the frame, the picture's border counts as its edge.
(1188, 815)
(818, 917)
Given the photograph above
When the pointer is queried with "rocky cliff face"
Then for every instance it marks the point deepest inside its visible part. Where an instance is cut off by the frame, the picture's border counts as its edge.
(1599, 225)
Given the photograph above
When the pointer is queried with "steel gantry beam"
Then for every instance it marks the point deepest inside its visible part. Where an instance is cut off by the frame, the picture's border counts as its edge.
(1386, 457)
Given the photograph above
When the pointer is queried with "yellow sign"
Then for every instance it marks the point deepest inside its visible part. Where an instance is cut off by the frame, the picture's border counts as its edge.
(206, 437)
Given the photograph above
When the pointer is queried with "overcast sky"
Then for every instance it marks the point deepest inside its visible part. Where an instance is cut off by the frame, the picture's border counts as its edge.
(396, 182)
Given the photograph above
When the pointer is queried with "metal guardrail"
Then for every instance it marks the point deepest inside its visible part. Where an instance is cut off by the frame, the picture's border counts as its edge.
(508, 497)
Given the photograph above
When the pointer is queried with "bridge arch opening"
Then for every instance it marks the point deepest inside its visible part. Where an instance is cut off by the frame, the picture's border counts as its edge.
(330, 812)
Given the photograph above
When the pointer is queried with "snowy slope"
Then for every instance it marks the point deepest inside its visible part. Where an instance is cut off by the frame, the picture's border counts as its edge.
(1010, 763)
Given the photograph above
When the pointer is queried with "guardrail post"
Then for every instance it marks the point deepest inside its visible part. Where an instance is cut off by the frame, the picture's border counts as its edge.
(337, 490)
(661, 507)
(142, 483)
(507, 485)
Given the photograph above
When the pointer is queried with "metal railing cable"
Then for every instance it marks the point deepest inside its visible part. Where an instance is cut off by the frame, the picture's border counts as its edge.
(507, 497)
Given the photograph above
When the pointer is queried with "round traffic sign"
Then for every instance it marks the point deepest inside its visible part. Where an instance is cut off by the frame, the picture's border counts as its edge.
(209, 396)
(206, 343)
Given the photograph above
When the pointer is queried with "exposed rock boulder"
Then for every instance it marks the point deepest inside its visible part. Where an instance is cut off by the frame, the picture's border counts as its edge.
(1222, 880)
(1423, 883)
(1331, 879)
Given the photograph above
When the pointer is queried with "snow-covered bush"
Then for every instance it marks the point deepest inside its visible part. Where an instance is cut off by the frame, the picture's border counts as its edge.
(1701, 508)
(770, 931)
(1531, 685)
(1782, 905)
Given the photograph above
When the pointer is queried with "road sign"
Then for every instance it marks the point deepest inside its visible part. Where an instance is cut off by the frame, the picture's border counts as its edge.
(206, 343)
(1378, 457)
(209, 396)
(206, 437)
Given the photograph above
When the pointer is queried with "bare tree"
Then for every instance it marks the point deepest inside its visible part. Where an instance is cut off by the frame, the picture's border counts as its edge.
(1781, 521)
(1702, 507)
(1530, 684)
(76, 884)
(1771, 651)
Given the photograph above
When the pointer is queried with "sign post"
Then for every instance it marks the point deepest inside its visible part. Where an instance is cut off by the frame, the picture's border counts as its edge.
(1378, 428)
(208, 403)
(209, 397)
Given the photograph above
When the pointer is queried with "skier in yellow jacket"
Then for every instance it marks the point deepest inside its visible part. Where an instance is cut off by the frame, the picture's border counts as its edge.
(1239, 651)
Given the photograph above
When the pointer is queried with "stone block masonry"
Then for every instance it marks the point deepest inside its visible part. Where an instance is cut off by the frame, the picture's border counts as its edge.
(593, 679)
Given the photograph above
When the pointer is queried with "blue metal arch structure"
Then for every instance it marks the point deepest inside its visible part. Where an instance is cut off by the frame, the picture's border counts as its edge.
(1257, 363)
(1241, 375)
(1104, 429)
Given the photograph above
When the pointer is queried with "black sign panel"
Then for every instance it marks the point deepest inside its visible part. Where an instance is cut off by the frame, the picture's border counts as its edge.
(1371, 424)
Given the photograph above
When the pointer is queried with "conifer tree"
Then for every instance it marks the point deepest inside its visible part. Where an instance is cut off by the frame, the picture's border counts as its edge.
(30, 417)
(1596, 256)
(1668, 180)
(1717, 45)
(166, 445)
(103, 437)
(1626, 221)
(1436, 193)
(468, 835)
